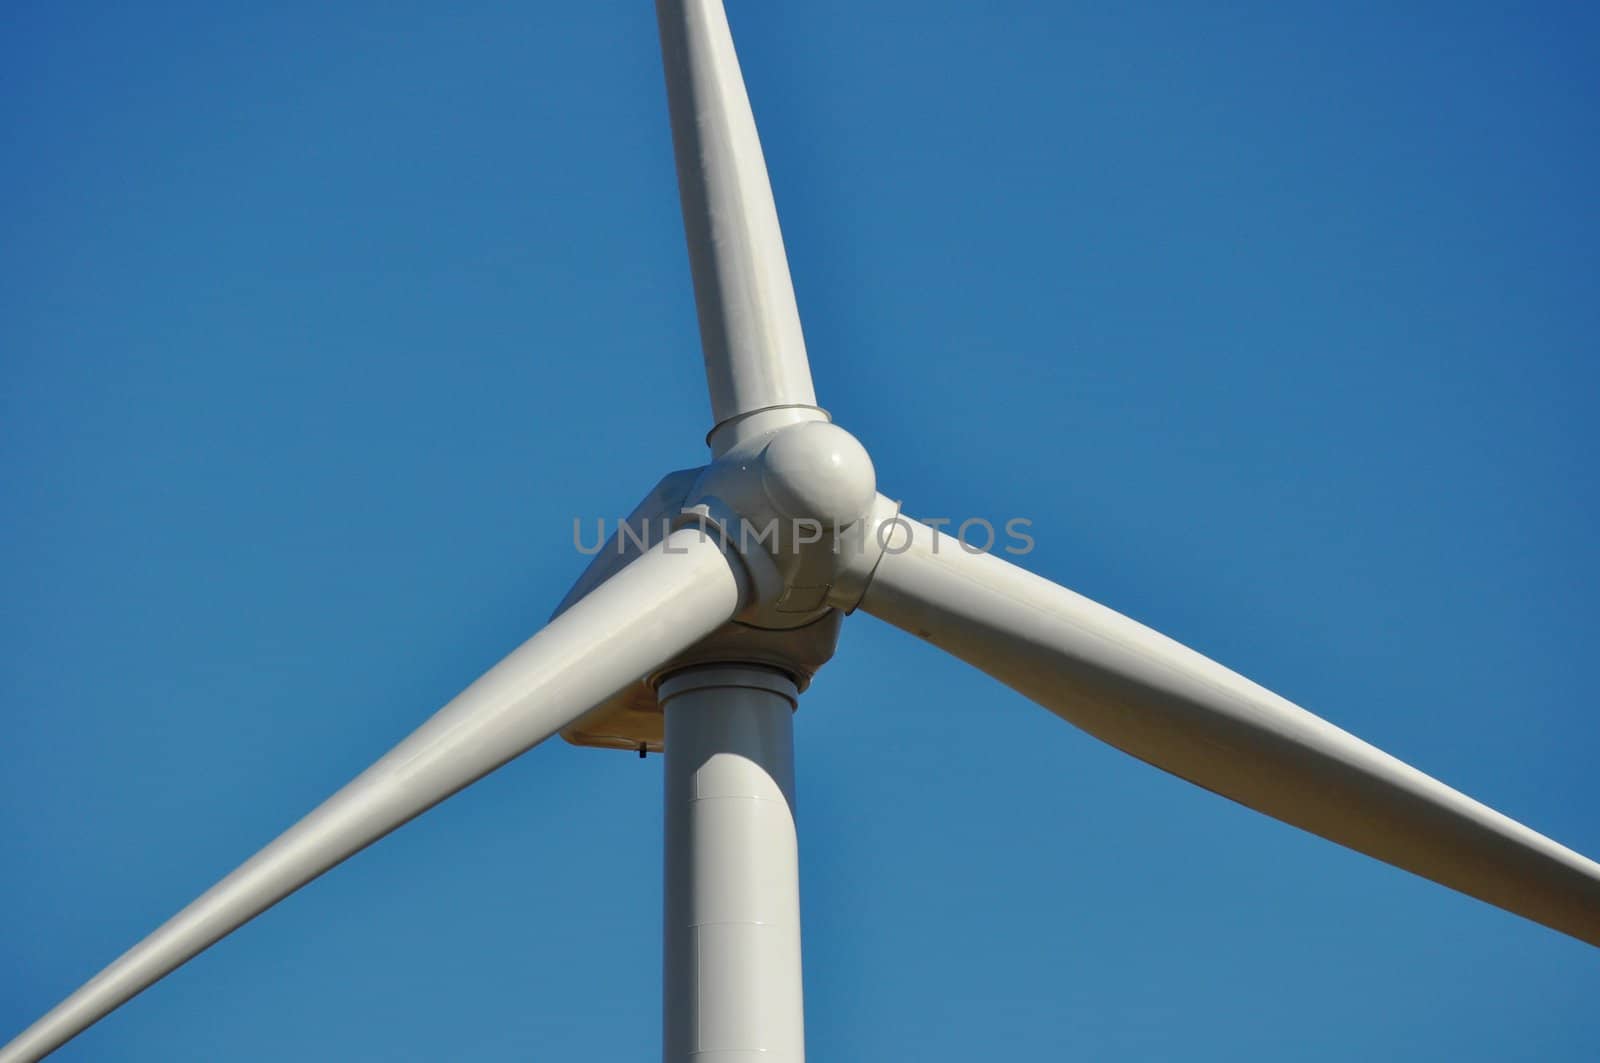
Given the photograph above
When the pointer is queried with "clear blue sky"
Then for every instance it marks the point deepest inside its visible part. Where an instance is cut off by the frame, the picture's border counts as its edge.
(319, 326)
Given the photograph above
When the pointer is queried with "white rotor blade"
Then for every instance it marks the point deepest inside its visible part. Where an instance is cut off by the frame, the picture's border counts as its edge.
(1167, 705)
(667, 599)
(749, 325)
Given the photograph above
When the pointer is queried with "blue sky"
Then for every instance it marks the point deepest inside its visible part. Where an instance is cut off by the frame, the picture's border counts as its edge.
(317, 327)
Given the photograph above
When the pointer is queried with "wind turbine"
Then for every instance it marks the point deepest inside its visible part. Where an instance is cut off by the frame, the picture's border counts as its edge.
(703, 640)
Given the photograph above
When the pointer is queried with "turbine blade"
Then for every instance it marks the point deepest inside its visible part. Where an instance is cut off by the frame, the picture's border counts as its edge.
(1173, 708)
(755, 353)
(670, 597)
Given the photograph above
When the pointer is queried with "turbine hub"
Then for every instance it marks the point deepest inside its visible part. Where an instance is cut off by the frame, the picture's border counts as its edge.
(799, 505)
(818, 471)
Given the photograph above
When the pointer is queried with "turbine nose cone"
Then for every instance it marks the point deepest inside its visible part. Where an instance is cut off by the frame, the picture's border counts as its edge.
(819, 471)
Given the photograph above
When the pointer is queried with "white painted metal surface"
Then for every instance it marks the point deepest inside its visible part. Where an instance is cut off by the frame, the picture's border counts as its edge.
(731, 991)
(755, 353)
(1168, 705)
(666, 600)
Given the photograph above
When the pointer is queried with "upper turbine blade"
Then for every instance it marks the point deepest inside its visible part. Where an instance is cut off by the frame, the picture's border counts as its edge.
(1169, 706)
(670, 597)
(755, 353)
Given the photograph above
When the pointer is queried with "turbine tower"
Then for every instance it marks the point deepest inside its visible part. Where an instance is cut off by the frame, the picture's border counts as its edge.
(697, 630)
